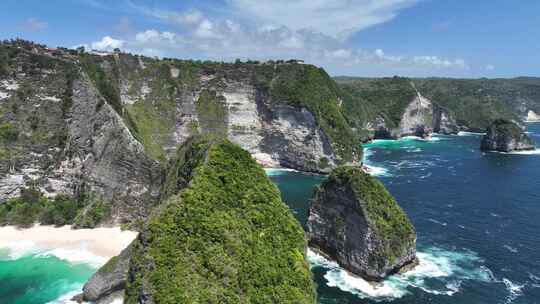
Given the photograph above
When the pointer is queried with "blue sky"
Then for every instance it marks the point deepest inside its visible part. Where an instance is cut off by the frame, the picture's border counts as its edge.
(456, 38)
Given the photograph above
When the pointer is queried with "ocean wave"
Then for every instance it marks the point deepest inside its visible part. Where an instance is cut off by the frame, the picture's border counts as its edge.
(510, 248)
(371, 169)
(19, 249)
(464, 133)
(436, 266)
(75, 256)
(67, 298)
(437, 222)
(514, 290)
(278, 171)
(525, 152)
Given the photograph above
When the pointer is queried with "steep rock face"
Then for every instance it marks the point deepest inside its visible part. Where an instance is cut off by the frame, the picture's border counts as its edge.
(393, 107)
(61, 137)
(355, 221)
(109, 281)
(263, 108)
(506, 136)
(226, 237)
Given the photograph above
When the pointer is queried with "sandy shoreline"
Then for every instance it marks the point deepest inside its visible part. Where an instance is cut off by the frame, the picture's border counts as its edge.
(101, 243)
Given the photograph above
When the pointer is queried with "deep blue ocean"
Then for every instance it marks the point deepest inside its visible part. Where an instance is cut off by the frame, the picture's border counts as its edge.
(477, 217)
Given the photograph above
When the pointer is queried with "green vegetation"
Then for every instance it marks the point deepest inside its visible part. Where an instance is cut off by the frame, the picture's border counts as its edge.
(32, 207)
(92, 214)
(110, 265)
(387, 97)
(212, 113)
(507, 128)
(474, 102)
(8, 133)
(390, 221)
(153, 130)
(310, 87)
(226, 238)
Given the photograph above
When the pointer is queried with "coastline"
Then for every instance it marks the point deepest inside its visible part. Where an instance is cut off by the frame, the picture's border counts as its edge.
(93, 246)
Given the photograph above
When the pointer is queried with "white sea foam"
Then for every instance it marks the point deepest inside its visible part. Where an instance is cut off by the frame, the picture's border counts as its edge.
(278, 171)
(510, 248)
(514, 290)
(371, 169)
(464, 133)
(449, 268)
(18, 249)
(66, 298)
(437, 222)
(75, 256)
(528, 152)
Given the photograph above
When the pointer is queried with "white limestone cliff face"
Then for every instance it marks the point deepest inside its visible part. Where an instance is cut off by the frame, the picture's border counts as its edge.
(276, 134)
(421, 117)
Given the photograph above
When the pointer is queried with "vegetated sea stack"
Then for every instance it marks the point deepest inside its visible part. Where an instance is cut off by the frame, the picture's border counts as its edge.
(506, 136)
(354, 220)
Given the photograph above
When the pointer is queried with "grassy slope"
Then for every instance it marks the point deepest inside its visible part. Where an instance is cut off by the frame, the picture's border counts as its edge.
(226, 238)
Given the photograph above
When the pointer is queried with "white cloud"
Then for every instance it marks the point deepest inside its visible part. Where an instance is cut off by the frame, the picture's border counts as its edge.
(490, 67)
(34, 24)
(150, 36)
(107, 43)
(337, 18)
(315, 33)
(440, 62)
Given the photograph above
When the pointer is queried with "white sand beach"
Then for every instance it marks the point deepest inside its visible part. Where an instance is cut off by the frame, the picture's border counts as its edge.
(77, 245)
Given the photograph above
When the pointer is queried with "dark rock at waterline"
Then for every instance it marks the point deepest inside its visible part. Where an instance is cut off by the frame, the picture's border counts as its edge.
(506, 136)
(355, 221)
(109, 281)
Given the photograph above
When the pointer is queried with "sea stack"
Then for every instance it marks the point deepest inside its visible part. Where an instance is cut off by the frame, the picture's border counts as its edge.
(355, 221)
(506, 136)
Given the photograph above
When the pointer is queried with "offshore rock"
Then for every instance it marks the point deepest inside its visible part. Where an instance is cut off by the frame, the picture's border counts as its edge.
(506, 136)
(355, 221)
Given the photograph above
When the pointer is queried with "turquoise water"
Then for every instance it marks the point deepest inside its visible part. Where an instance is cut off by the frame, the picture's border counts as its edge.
(34, 278)
(477, 219)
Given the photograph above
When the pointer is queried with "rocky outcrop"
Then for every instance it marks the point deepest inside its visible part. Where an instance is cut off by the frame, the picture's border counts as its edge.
(67, 139)
(226, 237)
(101, 129)
(506, 136)
(108, 283)
(419, 117)
(355, 221)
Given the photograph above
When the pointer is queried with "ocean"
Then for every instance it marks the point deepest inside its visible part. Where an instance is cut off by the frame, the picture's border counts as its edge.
(477, 217)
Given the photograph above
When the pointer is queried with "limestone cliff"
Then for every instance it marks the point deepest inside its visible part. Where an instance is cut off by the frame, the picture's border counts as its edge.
(355, 221)
(506, 136)
(101, 129)
(394, 107)
(60, 136)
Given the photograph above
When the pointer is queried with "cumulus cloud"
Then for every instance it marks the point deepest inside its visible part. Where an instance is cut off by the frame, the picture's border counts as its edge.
(34, 24)
(337, 18)
(107, 43)
(309, 30)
